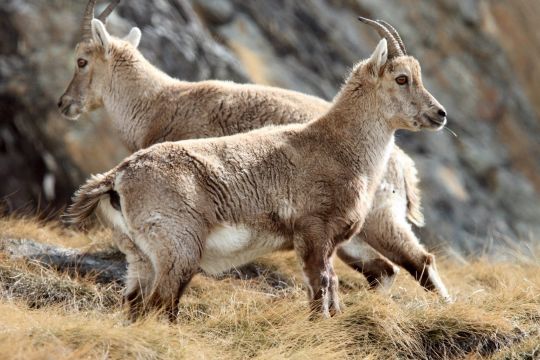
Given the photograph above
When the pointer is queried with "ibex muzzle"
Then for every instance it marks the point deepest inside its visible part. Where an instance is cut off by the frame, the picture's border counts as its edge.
(74, 101)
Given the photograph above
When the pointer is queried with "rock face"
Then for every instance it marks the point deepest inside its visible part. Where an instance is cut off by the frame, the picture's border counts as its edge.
(478, 59)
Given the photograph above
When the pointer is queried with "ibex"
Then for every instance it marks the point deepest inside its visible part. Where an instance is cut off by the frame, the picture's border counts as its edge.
(147, 107)
(221, 202)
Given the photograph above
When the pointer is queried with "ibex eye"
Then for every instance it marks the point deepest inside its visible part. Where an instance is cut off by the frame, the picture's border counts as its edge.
(402, 80)
(81, 63)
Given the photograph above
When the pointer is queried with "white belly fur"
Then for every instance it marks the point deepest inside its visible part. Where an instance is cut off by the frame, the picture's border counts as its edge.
(229, 246)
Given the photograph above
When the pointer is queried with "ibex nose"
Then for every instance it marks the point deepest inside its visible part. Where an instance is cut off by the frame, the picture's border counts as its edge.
(441, 112)
(59, 103)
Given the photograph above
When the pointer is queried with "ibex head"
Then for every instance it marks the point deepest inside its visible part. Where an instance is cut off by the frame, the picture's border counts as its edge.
(84, 92)
(401, 96)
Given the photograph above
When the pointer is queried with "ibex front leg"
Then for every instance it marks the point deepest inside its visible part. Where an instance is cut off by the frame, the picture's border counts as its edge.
(317, 276)
(314, 249)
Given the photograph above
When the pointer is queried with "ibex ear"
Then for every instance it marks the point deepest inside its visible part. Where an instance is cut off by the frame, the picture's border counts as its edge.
(100, 34)
(134, 36)
(379, 57)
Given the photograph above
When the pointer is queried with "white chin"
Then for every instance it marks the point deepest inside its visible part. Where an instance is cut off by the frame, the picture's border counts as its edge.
(72, 117)
(436, 127)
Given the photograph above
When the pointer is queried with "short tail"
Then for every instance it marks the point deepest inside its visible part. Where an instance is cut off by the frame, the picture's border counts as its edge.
(87, 198)
(414, 199)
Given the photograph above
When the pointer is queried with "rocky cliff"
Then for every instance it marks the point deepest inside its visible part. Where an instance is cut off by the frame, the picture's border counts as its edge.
(478, 59)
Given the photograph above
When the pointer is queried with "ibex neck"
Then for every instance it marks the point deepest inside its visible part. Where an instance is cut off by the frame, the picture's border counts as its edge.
(357, 134)
(130, 98)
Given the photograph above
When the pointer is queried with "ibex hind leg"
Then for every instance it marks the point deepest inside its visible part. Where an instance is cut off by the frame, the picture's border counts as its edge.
(334, 306)
(174, 250)
(379, 272)
(140, 273)
(398, 243)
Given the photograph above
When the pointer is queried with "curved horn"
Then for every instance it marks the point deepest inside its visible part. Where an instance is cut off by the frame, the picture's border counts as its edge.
(393, 47)
(395, 34)
(108, 10)
(86, 28)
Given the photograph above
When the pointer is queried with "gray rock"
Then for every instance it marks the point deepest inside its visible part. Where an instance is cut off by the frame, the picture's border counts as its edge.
(105, 266)
(217, 12)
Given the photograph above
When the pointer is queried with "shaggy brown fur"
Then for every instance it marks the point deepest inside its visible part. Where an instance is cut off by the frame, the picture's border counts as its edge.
(221, 202)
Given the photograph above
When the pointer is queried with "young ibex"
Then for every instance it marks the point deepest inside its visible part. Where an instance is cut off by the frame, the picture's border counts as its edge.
(221, 202)
(147, 107)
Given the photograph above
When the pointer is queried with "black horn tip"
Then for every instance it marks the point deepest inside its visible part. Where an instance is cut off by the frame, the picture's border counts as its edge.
(108, 10)
(367, 21)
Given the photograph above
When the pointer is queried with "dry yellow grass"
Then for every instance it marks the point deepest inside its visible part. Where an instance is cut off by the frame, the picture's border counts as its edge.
(46, 315)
